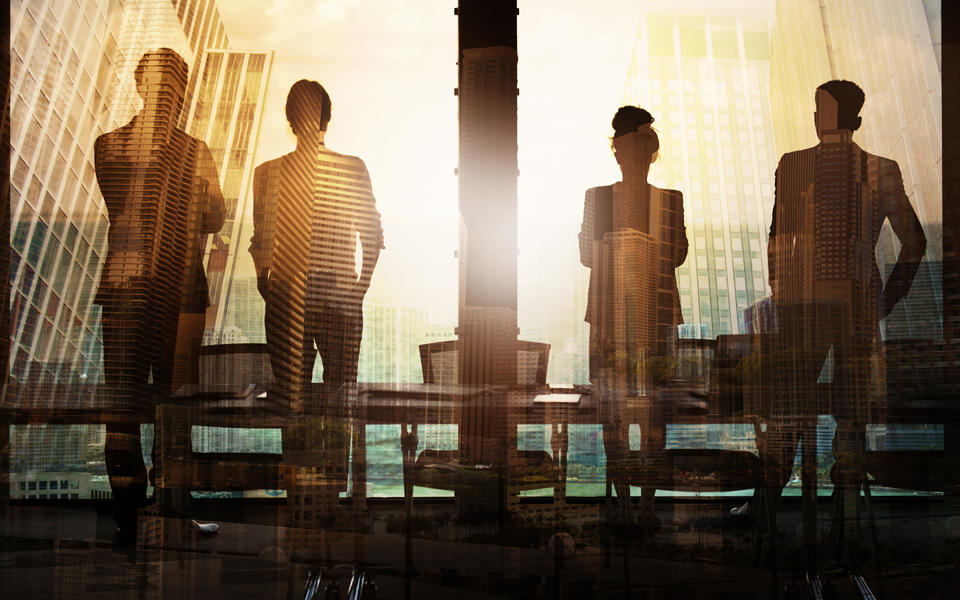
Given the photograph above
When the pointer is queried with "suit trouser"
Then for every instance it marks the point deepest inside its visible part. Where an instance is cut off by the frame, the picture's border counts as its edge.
(806, 334)
(139, 339)
(330, 324)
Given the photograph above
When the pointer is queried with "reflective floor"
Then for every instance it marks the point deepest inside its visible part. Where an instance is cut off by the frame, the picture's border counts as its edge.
(68, 553)
(399, 492)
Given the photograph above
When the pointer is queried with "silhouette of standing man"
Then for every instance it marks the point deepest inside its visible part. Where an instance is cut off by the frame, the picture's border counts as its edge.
(831, 201)
(309, 208)
(162, 196)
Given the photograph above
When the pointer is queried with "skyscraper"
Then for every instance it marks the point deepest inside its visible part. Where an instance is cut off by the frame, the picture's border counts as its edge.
(706, 81)
(72, 72)
(227, 111)
(203, 29)
(391, 336)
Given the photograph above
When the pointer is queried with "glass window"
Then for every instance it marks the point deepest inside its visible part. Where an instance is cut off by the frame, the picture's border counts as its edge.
(730, 90)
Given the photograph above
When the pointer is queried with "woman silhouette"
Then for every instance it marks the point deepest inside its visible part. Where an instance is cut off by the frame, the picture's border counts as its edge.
(632, 238)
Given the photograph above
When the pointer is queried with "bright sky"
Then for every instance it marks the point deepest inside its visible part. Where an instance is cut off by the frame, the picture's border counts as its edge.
(390, 68)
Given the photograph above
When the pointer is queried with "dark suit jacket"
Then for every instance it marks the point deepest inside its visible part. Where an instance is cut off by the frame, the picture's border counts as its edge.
(307, 213)
(163, 197)
(831, 201)
(598, 220)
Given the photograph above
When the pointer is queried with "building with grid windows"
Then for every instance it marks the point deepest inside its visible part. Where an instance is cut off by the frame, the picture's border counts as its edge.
(73, 75)
(227, 110)
(705, 79)
(391, 337)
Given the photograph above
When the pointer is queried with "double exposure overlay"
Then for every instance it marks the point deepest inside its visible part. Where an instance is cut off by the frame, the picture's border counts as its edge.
(307, 300)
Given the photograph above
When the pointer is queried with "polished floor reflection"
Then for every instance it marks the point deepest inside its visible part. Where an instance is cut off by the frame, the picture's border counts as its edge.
(376, 481)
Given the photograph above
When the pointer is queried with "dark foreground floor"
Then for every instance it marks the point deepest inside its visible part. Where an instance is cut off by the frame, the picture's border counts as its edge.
(68, 553)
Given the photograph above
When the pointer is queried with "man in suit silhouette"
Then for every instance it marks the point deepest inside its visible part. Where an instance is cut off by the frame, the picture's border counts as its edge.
(831, 201)
(309, 207)
(162, 196)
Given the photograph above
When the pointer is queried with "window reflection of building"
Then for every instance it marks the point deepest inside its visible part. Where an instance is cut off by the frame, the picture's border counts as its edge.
(73, 72)
(73, 76)
(391, 336)
(707, 78)
(227, 113)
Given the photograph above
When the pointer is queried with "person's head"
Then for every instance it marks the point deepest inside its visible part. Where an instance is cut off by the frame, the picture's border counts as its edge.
(162, 74)
(308, 108)
(635, 142)
(838, 106)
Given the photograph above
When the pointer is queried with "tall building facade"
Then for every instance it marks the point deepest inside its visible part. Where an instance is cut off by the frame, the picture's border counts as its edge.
(71, 75)
(243, 315)
(227, 110)
(201, 25)
(891, 49)
(706, 81)
(391, 337)
(49, 447)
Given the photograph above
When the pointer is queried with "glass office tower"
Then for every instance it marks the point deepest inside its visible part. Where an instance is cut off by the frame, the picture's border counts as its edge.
(72, 71)
(227, 111)
(706, 80)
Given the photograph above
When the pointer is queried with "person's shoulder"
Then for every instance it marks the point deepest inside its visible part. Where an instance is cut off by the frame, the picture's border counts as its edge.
(106, 138)
(115, 136)
(668, 196)
(347, 160)
(356, 162)
(793, 159)
(882, 161)
(191, 146)
(886, 167)
(270, 165)
(352, 165)
(668, 192)
(795, 155)
(112, 145)
(184, 137)
(103, 142)
(600, 189)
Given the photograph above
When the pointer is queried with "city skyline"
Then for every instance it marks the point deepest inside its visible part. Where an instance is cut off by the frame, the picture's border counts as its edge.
(597, 314)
